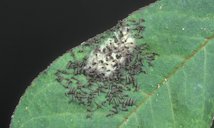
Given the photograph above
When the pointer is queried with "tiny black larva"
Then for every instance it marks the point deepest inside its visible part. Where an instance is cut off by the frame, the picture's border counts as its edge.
(110, 70)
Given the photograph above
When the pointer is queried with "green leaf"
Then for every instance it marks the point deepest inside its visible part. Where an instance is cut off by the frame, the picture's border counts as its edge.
(176, 92)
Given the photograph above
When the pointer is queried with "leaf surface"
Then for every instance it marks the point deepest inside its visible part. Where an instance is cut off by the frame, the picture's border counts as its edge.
(177, 92)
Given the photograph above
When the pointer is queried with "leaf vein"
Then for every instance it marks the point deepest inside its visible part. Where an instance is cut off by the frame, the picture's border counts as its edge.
(177, 68)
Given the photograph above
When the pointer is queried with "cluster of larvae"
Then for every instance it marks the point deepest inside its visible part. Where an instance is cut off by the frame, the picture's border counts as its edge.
(110, 70)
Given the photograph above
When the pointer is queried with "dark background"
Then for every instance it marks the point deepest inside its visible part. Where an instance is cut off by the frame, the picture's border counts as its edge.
(33, 33)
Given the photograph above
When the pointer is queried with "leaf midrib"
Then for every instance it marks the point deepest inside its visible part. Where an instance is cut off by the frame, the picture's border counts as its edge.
(160, 84)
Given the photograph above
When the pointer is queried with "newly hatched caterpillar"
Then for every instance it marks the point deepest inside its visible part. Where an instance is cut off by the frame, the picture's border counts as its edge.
(110, 70)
